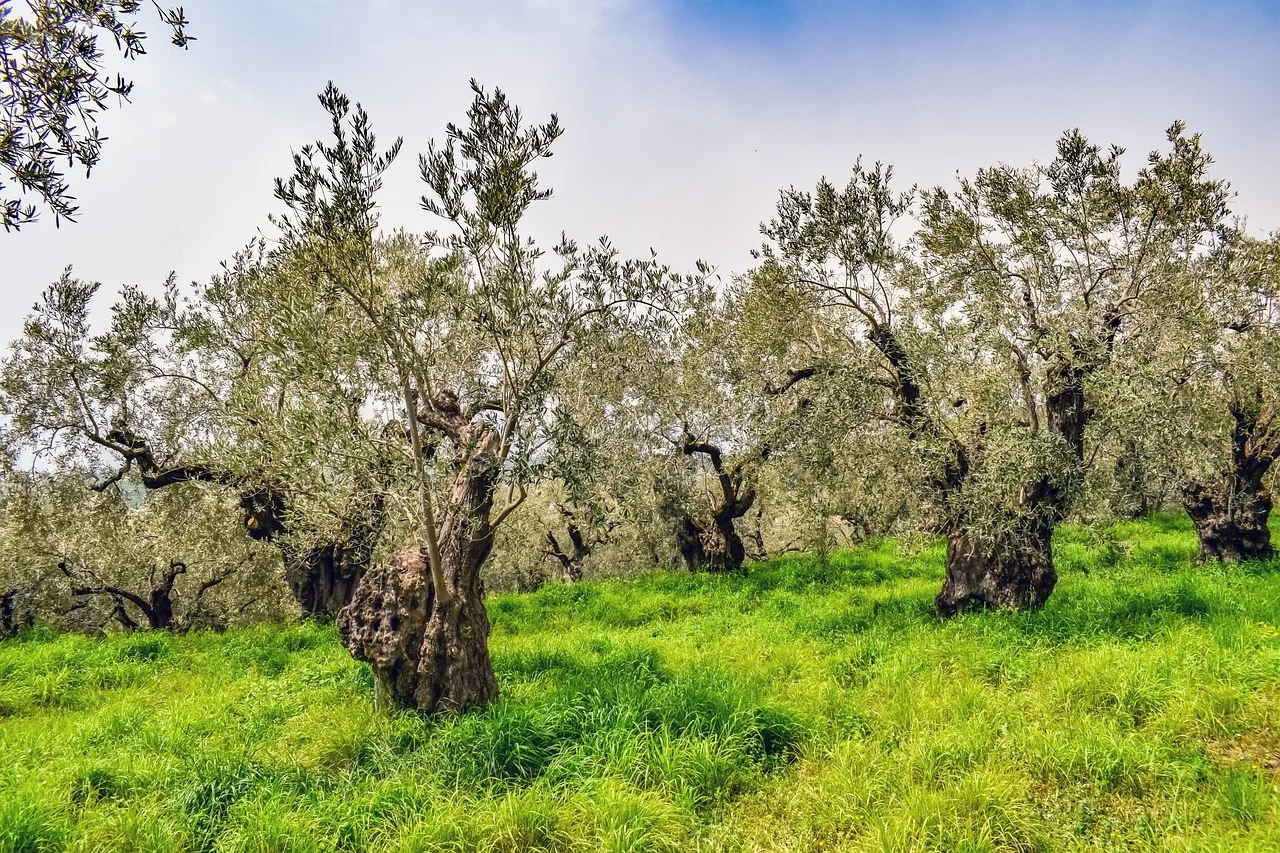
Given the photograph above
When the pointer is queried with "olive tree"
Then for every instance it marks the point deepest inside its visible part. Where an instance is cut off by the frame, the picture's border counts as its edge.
(993, 331)
(718, 402)
(468, 335)
(193, 390)
(1212, 393)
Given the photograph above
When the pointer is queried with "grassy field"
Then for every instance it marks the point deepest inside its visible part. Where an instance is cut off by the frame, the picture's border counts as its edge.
(808, 706)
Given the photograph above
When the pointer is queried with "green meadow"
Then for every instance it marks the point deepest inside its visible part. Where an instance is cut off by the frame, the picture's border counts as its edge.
(812, 704)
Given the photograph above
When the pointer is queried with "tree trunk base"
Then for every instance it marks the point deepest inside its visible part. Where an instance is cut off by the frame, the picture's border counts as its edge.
(1230, 527)
(430, 656)
(716, 548)
(1008, 573)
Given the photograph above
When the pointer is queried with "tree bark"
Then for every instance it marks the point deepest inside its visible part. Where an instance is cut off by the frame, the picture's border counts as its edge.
(322, 576)
(160, 614)
(1230, 513)
(430, 655)
(715, 547)
(733, 550)
(580, 546)
(321, 579)
(1231, 524)
(1013, 571)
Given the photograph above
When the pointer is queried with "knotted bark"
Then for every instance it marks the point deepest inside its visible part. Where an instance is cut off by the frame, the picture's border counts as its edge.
(428, 651)
(323, 575)
(1230, 512)
(704, 548)
(1231, 523)
(429, 655)
(1013, 571)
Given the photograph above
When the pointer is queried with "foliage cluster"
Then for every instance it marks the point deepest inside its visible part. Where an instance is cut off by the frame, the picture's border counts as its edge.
(54, 83)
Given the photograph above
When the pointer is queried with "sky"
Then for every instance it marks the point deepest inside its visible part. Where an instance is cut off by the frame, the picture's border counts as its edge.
(684, 118)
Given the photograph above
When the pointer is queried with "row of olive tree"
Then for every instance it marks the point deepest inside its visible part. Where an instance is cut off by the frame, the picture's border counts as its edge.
(379, 405)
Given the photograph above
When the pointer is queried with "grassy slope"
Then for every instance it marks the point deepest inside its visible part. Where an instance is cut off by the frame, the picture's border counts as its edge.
(809, 706)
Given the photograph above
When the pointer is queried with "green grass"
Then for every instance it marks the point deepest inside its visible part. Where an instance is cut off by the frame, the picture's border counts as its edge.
(812, 705)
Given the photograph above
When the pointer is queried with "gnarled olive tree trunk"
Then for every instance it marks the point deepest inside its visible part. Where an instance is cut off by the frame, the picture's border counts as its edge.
(1230, 520)
(1009, 569)
(715, 545)
(571, 558)
(322, 579)
(323, 575)
(1230, 512)
(1013, 569)
(433, 654)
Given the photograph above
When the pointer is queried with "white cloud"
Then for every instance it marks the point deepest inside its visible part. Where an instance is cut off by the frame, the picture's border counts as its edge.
(673, 141)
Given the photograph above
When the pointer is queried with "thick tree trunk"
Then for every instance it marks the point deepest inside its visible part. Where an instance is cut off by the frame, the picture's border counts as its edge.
(714, 547)
(1231, 512)
(1231, 524)
(1014, 570)
(320, 579)
(1011, 572)
(323, 576)
(733, 553)
(430, 655)
(323, 579)
(725, 546)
